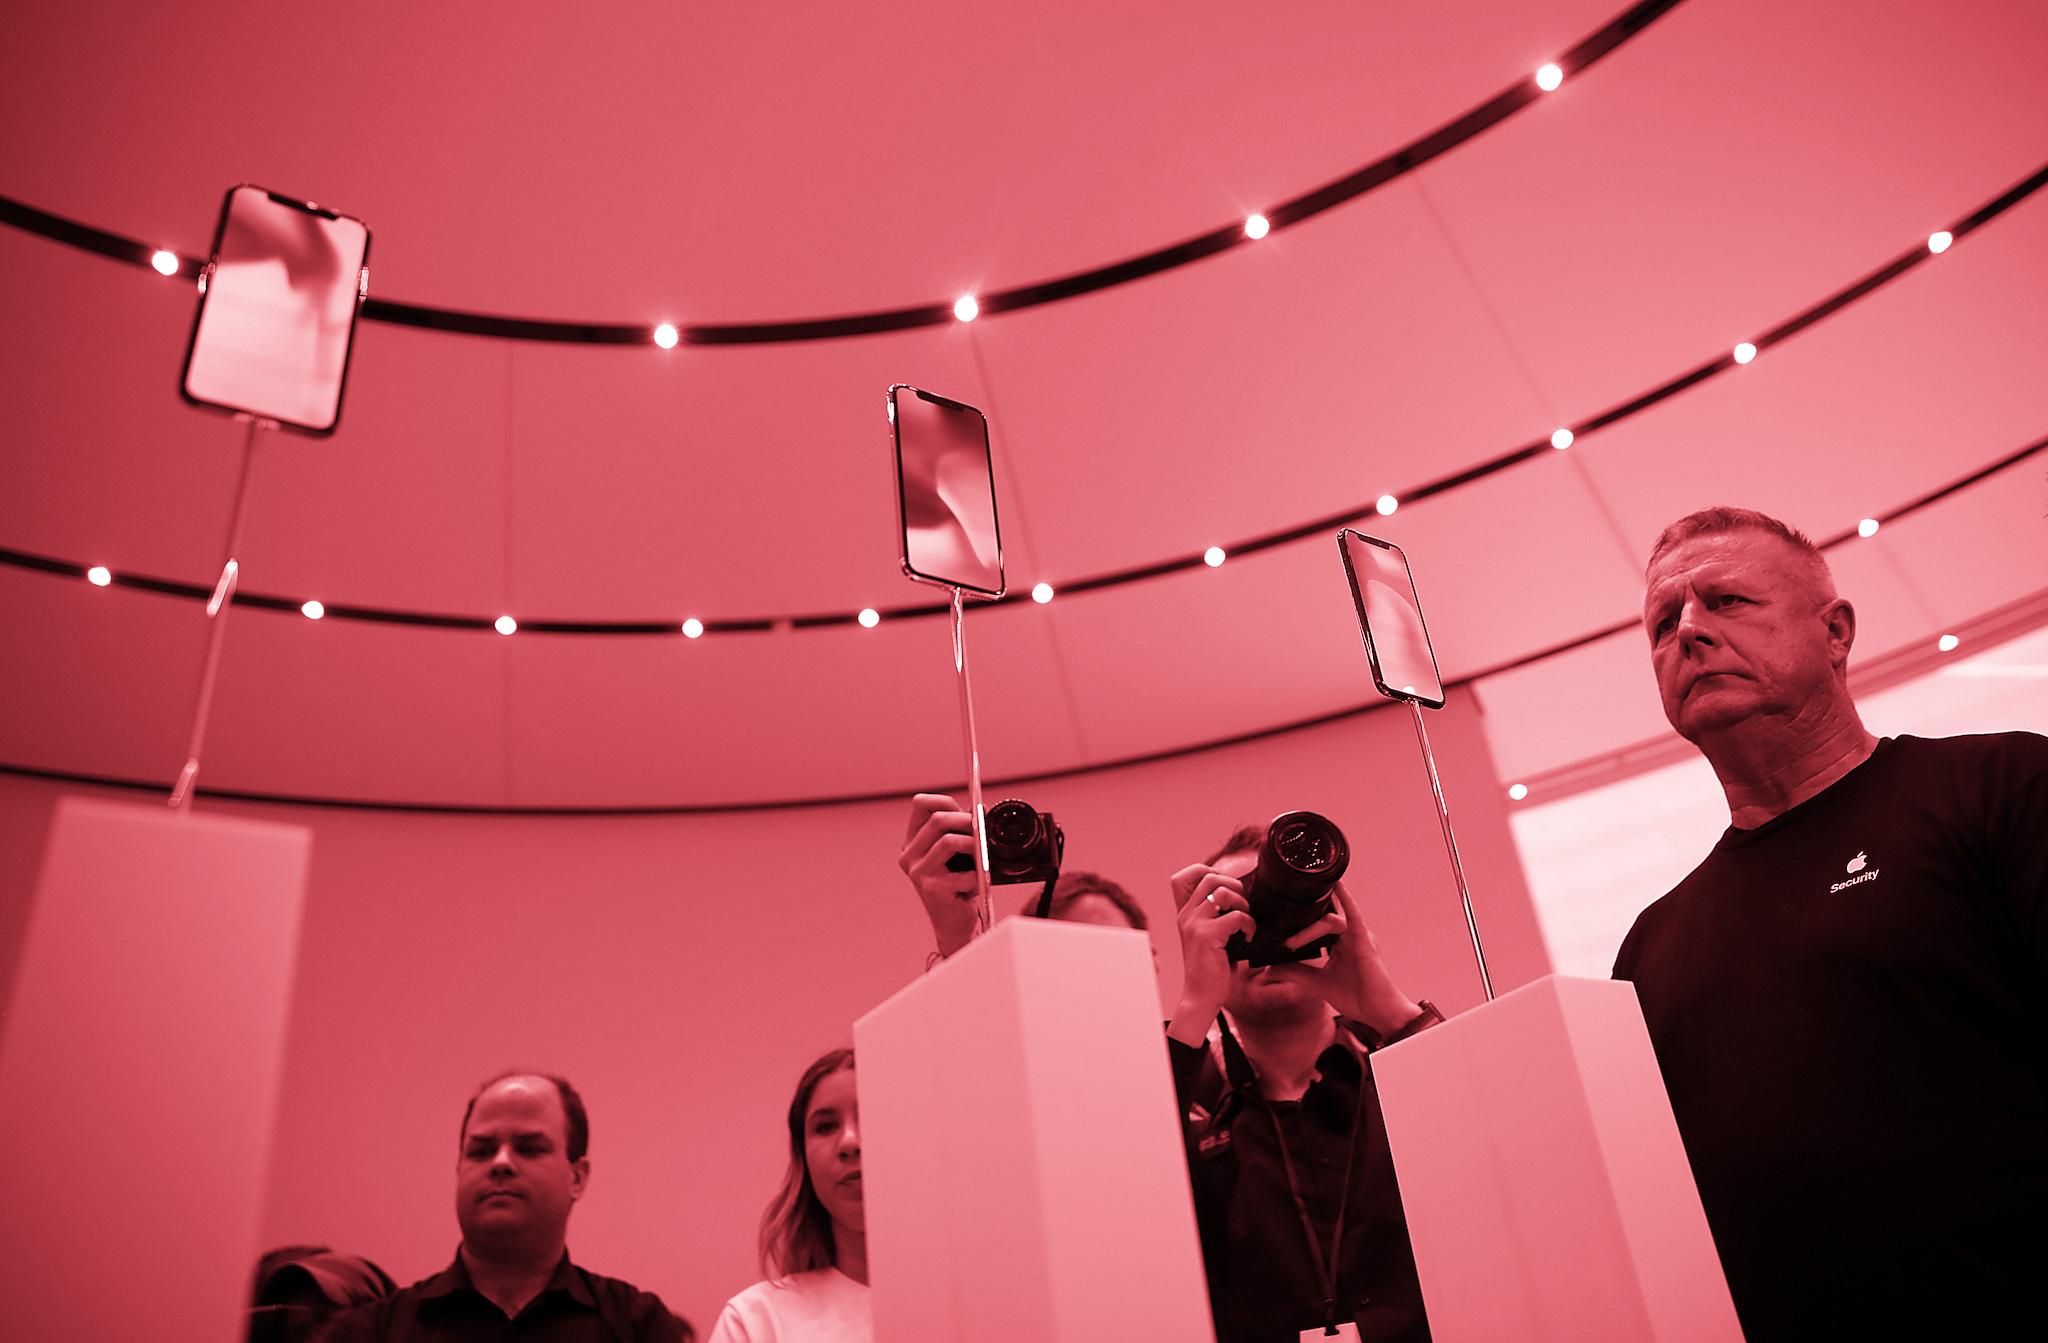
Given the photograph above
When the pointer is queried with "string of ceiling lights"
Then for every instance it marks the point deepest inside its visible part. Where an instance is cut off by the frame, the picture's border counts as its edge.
(965, 308)
(1516, 792)
(1559, 438)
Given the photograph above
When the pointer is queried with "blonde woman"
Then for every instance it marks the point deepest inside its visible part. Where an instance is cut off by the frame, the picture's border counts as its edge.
(814, 1248)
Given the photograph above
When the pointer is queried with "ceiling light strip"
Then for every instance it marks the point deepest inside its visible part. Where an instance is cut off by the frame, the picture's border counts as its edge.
(1987, 630)
(1918, 254)
(21, 559)
(1330, 195)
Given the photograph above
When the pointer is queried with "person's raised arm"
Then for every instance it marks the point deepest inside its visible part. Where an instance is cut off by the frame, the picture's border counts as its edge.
(941, 829)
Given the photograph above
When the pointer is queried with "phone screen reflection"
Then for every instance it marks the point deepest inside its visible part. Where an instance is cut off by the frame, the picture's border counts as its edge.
(278, 312)
(947, 492)
(1390, 616)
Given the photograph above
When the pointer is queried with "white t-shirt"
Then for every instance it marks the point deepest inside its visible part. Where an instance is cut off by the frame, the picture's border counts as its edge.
(820, 1305)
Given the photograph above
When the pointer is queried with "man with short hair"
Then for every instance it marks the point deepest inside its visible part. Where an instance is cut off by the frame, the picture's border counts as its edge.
(519, 1170)
(1300, 1216)
(1849, 996)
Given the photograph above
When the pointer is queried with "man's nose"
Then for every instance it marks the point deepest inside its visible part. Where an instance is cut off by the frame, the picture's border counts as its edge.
(1691, 630)
(502, 1158)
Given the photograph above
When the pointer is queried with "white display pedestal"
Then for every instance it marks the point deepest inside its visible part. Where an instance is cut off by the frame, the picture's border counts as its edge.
(1022, 1157)
(139, 1071)
(1547, 1191)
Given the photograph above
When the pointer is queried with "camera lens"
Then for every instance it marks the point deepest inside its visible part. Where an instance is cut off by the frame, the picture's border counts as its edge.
(1012, 827)
(1303, 855)
(1288, 888)
(1307, 844)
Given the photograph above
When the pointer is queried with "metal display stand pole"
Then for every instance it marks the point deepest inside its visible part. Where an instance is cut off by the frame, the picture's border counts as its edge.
(1443, 813)
(984, 904)
(217, 613)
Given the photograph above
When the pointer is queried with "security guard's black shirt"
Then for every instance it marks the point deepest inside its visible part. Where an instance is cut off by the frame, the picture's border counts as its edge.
(1850, 1008)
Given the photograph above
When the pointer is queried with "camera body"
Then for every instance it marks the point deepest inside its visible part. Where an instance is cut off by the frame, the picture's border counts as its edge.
(1024, 845)
(1300, 859)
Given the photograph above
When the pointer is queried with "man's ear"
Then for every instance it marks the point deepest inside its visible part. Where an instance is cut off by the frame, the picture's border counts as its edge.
(580, 1168)
(1840, 618)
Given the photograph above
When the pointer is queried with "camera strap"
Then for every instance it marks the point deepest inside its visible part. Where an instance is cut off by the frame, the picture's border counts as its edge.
(1237, 1066)
(1044, 906)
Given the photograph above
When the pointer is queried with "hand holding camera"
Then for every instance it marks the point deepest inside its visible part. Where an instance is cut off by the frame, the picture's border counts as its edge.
(1024, 845)
(1282, 906)
(1211, 913)
(940, 833)
(1354, 979)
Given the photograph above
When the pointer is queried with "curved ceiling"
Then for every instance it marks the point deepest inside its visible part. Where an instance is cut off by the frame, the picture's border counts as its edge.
(1724, 169)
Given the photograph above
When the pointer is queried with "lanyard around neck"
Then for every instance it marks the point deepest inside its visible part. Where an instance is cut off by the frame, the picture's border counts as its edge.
(1326, 1272)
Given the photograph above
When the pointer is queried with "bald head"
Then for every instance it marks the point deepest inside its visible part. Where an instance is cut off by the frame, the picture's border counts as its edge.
(575, 1119)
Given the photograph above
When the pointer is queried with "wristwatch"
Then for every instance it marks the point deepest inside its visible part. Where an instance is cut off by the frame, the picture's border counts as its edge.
(1421, 1021)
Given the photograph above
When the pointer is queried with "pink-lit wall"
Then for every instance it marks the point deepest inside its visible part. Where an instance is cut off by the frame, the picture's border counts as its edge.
(681, 969)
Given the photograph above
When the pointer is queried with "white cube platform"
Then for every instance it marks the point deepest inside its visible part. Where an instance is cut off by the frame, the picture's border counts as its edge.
(1547, 1191)
(139, 1071)
(1024, 1169)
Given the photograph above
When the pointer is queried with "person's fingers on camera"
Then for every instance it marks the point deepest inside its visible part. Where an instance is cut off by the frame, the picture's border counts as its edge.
(1331, 923)
(1341, 901)
(1227, 926)
(932, 867)
(1204, 946)
(938, 825)
(1222, 893)
(1205, 928)
(922, 806)
(1212, 898)
(1361, 942)
(1184, 882)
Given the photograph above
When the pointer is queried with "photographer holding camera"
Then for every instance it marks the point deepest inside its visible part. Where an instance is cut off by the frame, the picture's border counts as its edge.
(1300, 1217)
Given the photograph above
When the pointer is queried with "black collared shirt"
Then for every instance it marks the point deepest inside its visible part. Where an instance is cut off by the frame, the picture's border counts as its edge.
(1263, 1285)
(576, 1306)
